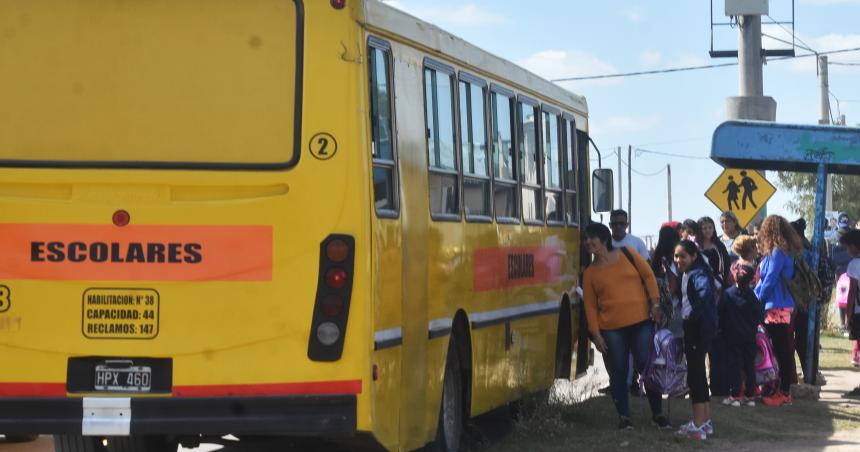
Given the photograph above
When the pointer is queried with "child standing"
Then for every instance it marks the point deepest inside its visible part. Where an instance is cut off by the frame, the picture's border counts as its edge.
(740, 313)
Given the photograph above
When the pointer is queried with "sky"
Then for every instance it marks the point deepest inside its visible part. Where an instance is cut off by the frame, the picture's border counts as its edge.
(672, 113)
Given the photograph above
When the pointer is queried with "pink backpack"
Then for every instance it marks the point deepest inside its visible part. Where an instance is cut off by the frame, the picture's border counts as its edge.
(766, 367)
(842, 286)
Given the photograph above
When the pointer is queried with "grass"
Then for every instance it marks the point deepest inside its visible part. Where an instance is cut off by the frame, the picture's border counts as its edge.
(591, 424)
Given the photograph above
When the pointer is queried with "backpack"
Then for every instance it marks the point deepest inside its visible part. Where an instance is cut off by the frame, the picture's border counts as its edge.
(666, 371)
(804, 285)
(766, 367)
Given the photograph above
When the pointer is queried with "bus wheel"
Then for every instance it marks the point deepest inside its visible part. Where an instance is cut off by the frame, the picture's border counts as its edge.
(21, 438)
(77, 443)
(139, 443)
(449, 432)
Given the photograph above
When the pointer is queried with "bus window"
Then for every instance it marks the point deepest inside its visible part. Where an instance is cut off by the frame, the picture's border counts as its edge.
(530, 170)
(505, 186)
(382, 147)
(473, 141)
(552, 168)
(439, 110)
(571, 181)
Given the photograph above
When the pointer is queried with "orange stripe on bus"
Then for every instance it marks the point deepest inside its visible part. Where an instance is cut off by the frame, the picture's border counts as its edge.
(270, 389)
(77, 252)
(504, 267)
(32, 389)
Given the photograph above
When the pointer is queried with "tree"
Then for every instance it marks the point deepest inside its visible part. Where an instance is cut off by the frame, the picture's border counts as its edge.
(846, 194)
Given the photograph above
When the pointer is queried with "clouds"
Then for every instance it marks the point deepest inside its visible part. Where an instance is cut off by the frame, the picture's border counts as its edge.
(828, 42)
(555, 64)
(613, 126)
(633, 14)
(650, 58)
(468, 14)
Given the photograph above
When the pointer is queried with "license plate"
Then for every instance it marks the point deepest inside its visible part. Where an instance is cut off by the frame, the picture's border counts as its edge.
(122, 376)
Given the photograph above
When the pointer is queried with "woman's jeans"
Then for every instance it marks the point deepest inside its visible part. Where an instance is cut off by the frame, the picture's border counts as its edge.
(635, 339)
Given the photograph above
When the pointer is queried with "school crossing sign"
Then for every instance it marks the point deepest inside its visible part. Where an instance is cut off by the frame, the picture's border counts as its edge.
(741, 191)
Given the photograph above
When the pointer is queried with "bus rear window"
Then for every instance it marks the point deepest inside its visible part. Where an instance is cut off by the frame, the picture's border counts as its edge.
(150, 83)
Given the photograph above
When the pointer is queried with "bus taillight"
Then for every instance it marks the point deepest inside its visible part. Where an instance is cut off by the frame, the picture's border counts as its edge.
(334, 289)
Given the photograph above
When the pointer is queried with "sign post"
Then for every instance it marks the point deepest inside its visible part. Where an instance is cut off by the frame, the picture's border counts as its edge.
(741, 191)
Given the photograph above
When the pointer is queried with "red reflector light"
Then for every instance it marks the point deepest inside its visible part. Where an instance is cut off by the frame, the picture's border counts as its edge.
(338, 4)
(336, 278)
(121, 218)
(331, 305)
(337, 250)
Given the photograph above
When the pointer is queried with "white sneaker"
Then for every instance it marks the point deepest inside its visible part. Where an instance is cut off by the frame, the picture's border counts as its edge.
(750, 403)
(685, 429)
(708, 426)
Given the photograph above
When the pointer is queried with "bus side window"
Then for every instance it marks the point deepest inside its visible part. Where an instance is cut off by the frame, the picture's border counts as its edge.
(473, 150)
(552, 168)
(572, 160)
(527, 128)
(442, 160)
(504, 171)
(385, 193)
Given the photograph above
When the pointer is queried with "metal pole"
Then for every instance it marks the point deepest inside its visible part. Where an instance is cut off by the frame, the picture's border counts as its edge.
(824, 97)
(620, 180)
(817, 240)
(669, 188)
(630, 187)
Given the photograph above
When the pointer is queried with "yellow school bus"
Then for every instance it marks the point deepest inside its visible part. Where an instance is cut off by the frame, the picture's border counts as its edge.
(276, 217)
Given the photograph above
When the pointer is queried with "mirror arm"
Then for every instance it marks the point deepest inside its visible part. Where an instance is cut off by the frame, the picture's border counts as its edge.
(599, 156)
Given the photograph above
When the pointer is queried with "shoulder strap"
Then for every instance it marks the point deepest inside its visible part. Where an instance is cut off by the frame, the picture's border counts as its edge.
(633, 263)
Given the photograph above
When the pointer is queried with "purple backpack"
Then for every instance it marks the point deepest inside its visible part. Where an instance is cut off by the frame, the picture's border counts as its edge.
(766, 367)
(666, 371)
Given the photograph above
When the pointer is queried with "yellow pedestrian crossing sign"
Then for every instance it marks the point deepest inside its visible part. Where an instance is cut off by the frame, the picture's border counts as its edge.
(741, 191)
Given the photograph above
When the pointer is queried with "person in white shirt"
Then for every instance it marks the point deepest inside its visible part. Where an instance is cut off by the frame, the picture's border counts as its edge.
(618, 222)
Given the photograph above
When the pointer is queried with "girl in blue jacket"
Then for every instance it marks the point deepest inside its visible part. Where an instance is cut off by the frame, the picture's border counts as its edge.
(778, 243)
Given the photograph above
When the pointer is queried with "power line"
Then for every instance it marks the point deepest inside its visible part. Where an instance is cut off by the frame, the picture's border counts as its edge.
(691, 68)
(640, 172)
(669, 154)
(793, 35)
(839, 63)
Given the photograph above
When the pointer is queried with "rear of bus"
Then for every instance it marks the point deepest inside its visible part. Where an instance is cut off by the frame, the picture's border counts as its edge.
(184, 220)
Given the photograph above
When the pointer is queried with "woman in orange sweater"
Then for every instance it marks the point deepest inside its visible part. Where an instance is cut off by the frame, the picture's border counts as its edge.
(618, 312)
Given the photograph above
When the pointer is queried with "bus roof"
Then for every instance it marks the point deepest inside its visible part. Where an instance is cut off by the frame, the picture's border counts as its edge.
(381, 16)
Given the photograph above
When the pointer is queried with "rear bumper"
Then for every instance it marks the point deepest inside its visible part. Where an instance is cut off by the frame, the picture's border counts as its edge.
(324, 415)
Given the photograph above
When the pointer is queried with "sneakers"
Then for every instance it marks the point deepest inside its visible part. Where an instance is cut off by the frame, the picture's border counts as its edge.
(852, 394)
(661, 422)
(731, 401)
(778, 399)
(695, 433)
(604, 390)
(750, 403)
(625, 424)
(708, 427)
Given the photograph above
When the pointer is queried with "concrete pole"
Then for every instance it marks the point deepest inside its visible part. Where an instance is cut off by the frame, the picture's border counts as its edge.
(620, 179)
(669, 188)
(749, 56)
(824, 96)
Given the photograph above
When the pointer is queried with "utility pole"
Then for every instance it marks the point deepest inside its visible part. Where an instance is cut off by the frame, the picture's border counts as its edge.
(630, 187)
(669, 188)
(824, 96)
(620, 180)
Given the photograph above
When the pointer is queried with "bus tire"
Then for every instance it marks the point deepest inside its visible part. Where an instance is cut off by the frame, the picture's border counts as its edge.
(77, 443)
(452, 412)
(140, 443)
(563, 343)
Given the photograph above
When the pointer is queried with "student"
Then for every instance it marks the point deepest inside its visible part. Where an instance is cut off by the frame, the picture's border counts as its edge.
(777, 242)
(663, 265)
(740, 313)
(731, 231)
(618, 312)
(746, 248)
(700, 324)
(689, 230)
(851, 241)
(714, 250)
(618, 223)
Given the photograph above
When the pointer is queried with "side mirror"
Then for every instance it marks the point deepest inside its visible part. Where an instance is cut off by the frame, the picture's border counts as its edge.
(601, 190)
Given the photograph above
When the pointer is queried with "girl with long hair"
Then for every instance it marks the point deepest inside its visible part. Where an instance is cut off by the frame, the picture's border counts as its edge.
(778, 242)
(663, 265)
(714, 250)
(700, 325)
(731, 231)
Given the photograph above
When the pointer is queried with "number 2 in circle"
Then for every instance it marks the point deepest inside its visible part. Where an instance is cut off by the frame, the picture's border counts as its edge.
(323, 146)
